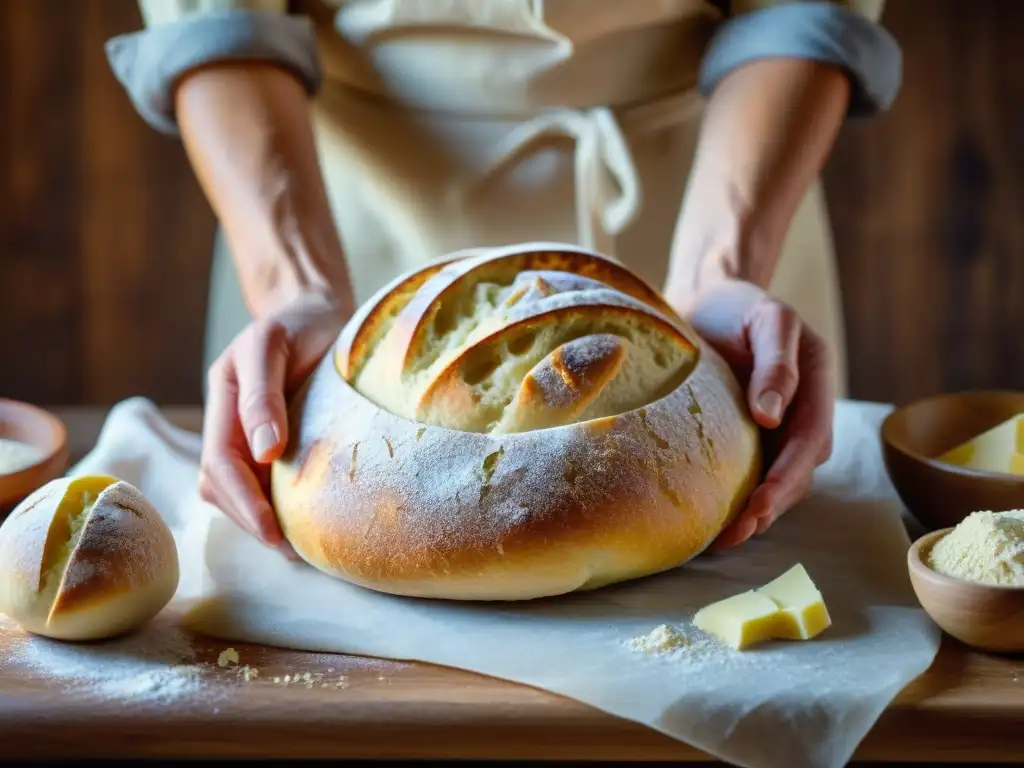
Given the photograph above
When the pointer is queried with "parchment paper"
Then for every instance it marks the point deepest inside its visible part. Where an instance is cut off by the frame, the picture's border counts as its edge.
(782, 705)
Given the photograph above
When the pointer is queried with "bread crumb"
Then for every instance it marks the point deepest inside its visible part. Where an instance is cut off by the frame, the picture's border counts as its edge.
(660, 639)
(307, 679)
(247, 673)
(986, 547)
(228, 657)
(310, 680)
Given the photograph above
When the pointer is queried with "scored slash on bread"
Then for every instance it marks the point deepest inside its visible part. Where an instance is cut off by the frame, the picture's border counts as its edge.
(513, 423)
(560, 387)
(477, 389)
(461, 348)
(374, 318)
(414, 303)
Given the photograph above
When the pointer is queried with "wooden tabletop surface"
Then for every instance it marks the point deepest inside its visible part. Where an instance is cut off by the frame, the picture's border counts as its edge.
(967, 707)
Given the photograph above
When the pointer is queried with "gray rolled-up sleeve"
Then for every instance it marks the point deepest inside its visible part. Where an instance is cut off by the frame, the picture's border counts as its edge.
(819, 31)
(149, 63)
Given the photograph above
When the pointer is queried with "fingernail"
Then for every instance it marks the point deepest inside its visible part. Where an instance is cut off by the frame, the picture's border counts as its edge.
(771, 404)
(263, 440)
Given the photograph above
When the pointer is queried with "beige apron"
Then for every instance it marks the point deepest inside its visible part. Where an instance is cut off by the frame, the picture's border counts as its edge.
(444, 124)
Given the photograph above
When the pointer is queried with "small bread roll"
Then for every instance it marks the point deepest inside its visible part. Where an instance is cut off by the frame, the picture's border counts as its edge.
(86, 558)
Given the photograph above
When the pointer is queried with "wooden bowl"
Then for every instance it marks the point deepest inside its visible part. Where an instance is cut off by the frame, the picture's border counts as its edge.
(32, 425)
(986, 617)
(938, 494)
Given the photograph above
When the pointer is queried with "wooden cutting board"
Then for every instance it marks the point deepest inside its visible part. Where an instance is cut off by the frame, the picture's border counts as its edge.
(967, 707)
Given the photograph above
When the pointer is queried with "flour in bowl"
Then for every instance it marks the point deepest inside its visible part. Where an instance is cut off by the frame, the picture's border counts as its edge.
(986, 547)
(16, 456)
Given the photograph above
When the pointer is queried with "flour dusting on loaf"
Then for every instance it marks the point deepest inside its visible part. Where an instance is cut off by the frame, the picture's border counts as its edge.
(516, 423)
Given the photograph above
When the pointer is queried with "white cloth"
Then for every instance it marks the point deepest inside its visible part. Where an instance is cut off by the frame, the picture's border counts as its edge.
(783, 705)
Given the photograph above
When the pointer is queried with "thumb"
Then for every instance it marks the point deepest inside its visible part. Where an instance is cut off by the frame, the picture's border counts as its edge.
(774, 335)
(261, 365)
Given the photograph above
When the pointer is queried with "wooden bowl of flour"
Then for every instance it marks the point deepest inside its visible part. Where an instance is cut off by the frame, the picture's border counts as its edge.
(33, 451)
(987, 617)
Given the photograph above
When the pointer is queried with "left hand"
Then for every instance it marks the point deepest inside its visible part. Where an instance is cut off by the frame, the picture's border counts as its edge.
(246, 422)
(787, 371)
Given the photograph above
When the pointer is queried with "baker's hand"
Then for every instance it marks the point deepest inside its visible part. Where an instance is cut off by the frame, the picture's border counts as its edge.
(788, 373)
(245, 425)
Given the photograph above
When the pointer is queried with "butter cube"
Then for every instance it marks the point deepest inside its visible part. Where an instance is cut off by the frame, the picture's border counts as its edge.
(999, 449)
(789, 607)
(740, 621)
(802, 611)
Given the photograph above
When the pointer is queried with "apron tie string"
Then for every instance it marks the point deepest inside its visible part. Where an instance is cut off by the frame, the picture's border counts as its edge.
(602, 161)
(607, 185)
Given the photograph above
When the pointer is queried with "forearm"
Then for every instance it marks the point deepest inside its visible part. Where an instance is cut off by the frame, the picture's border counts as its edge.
(247, 131)
(767, 132)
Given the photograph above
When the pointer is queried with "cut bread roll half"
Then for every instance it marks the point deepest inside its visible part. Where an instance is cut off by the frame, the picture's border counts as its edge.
(513, 423)
(86, 558)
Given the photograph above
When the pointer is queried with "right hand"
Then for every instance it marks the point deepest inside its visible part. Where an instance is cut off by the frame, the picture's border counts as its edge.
(787, 372)
(245, 424)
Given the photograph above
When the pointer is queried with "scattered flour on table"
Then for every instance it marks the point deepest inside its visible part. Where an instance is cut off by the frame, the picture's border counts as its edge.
(153, 665)
(660, 639)
(684, 644)
(310, 680)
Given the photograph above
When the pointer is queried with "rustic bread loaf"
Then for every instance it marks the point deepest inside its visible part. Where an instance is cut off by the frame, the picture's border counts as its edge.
(86, 558)
(513, 423)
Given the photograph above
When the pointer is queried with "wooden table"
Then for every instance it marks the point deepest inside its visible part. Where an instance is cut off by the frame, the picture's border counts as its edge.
(968, 707)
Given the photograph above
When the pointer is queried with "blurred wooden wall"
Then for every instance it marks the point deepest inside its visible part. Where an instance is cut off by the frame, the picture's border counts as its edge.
(927, 208)
(105, 238)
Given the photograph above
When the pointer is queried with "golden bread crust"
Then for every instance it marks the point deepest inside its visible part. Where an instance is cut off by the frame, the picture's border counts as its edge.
(561, 493)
